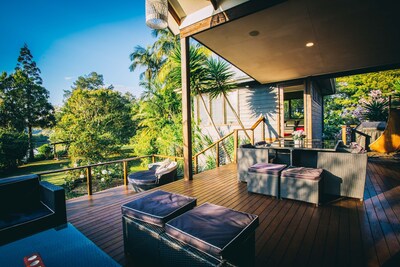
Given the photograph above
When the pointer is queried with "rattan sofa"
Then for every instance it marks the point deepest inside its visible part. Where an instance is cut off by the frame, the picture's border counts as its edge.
(344, 172)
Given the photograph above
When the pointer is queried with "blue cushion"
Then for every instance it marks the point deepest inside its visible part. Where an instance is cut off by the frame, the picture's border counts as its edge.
(158, 207)
(143, 177)
(23, 215)
(212, 229)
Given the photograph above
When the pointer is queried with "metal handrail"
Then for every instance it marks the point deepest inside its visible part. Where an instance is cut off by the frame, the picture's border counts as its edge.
(235, 133)
(90, 166)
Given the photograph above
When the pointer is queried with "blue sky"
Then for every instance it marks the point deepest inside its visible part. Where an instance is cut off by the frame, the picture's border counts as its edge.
(73, 38)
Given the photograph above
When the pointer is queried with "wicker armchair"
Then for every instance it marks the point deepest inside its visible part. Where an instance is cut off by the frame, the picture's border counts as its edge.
(247, 156)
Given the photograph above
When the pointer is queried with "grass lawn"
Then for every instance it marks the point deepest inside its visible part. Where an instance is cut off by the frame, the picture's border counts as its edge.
(58, 178)
(50, 165)
(41, 166)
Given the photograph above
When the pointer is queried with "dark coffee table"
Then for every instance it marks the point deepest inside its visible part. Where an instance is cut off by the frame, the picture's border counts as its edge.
(61, 246)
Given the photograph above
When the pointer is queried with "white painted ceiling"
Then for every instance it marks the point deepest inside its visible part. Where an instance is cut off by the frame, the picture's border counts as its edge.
(347, 35)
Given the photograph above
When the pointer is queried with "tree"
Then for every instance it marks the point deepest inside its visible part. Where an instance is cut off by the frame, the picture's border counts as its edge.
(160, 123)
(92, 81)
(28, 65)
(13, 141)
(148, 58)
(340, 108)
(29, 94)
(13, 147)
(199, 80)
(98, 122)
(220, 79)
(165, 43)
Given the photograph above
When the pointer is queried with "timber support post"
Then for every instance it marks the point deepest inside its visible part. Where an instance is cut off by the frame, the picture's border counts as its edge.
(186, 111)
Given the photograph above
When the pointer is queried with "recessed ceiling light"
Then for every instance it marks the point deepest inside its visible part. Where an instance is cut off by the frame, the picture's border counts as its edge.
(254, 33)
(247, 86)
(310, 44)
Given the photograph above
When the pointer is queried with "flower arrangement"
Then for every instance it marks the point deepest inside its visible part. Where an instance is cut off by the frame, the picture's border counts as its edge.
(299, 135)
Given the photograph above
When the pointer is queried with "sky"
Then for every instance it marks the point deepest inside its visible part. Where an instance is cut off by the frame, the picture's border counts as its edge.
(70, 38)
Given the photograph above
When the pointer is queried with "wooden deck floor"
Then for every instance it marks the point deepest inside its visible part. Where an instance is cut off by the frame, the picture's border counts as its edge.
(344, 233)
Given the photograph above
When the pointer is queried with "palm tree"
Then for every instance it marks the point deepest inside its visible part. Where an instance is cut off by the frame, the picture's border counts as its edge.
(219, 77)
(198, 56)
(146, 57)
(165, 43)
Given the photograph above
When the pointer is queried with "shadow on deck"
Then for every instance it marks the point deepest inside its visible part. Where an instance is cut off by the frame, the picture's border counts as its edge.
(344, 233)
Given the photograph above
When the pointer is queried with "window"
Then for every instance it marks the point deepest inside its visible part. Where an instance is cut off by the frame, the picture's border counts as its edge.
(294, 109)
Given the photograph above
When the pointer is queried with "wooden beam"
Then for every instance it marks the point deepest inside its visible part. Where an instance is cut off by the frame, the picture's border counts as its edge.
(233, 13)
(186, 111)
(173, 13)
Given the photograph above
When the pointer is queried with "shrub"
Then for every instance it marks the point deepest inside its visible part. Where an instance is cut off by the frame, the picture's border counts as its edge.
(375, 108)
(45, 150)
(13, 148)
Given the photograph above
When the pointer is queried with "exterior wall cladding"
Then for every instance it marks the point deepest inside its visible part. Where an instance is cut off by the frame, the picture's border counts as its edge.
(252, 102)
(317, 112)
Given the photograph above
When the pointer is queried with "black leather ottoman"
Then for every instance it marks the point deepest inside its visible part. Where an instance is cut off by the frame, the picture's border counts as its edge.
(143, 220)
(217, 232)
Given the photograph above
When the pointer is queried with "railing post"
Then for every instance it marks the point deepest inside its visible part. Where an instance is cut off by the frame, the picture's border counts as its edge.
(89, 180)
(55, 151)
(196, 168)
(235, 145)
(125, 168)
(263, 130)
(252, 137)
(153, 159)
(344, 134)
(217, 152)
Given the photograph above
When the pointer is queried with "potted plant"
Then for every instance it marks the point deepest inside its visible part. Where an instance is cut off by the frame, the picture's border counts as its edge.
(298, 137)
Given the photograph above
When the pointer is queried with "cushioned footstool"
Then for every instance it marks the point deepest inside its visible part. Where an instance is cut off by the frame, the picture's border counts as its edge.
(302, 184)
(143, 180)
(213, 231)
(263, 178)
(143, 221)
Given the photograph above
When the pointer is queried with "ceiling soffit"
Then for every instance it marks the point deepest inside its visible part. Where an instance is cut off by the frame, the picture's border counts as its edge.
(347, 35)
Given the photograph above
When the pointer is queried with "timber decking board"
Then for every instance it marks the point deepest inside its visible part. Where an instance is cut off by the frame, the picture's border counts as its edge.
(344, 232)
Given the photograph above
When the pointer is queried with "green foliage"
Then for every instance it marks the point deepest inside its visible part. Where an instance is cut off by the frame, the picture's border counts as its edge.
(13, 147)
(96, 121)
(160, 127)
(148, 58)
(24, 101)
(198, 56)
(374, 108)
(28, 66)
(103, 177)
(219, 77)
(341, 108)
(45, 150)
(93, 81)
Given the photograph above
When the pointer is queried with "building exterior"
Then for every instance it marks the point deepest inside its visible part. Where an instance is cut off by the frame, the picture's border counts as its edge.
(284, 41)
(286, 107)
